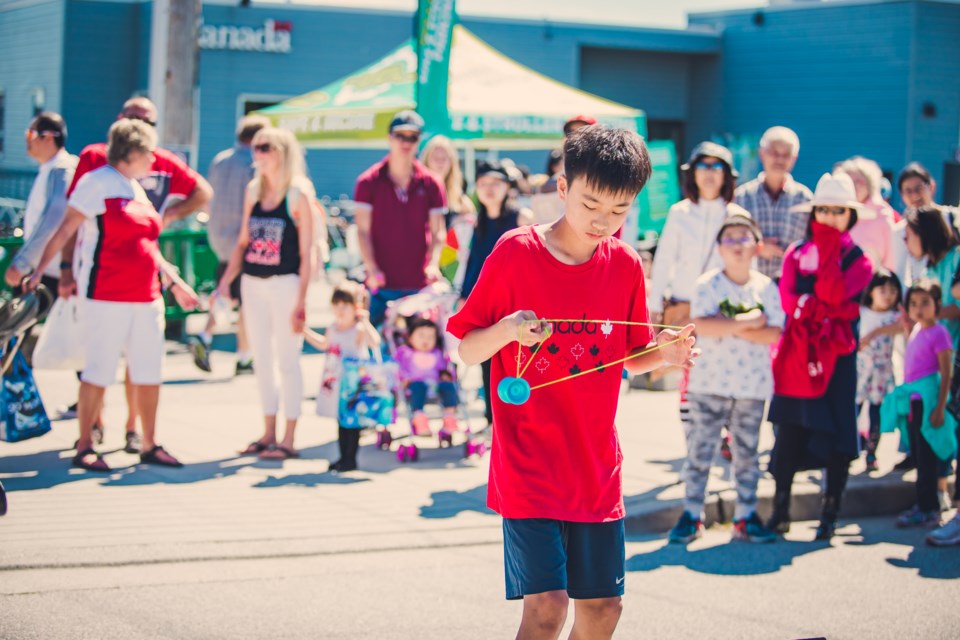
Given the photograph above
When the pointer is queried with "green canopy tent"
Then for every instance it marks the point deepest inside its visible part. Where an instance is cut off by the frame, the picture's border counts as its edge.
(493, 102)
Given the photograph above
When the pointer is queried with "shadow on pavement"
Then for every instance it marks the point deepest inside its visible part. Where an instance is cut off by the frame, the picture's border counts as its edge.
(730, 559)
(448, 504)
(307, 480)
(938, 563)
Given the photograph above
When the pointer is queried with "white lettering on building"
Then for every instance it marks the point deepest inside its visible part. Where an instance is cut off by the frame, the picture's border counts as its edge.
(273, 37)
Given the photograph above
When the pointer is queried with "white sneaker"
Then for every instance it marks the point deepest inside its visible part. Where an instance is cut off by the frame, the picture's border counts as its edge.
(947, 535)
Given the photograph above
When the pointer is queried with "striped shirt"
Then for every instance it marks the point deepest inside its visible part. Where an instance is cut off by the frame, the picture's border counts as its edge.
(774, 217)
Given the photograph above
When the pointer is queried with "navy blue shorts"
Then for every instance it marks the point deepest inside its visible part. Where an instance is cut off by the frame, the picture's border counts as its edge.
(585, 559)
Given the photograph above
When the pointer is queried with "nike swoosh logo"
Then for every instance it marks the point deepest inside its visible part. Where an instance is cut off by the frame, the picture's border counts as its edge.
(620, 580)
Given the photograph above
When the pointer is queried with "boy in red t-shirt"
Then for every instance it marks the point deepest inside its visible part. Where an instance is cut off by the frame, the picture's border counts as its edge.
(555, 468)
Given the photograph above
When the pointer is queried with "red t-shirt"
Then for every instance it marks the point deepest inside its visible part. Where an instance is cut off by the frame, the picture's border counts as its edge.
(118, 242)
(400, 222)
(558, 455)
(169, 175)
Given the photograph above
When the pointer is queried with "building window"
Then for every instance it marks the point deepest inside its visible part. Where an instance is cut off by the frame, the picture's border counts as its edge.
(247, 102)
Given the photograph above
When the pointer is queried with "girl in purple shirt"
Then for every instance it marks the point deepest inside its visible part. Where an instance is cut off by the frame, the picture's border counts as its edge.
(424, 366)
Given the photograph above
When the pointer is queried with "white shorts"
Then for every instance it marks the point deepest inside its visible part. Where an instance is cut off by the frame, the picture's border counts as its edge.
(130, 329)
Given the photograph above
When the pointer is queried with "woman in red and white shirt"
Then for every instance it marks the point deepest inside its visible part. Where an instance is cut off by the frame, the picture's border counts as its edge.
(119, 286)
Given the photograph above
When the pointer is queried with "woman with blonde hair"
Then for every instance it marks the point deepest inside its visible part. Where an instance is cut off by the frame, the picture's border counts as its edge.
(274, 254)
(874, 230)
(441, 159)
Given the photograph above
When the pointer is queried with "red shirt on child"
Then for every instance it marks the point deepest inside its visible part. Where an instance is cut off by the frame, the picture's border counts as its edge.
(558, 455)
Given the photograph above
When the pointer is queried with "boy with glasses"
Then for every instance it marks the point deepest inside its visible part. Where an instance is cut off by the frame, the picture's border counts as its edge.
(399, 205)
(738, 316)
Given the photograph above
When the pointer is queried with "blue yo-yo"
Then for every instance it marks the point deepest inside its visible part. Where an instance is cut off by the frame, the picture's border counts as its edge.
(513, 390)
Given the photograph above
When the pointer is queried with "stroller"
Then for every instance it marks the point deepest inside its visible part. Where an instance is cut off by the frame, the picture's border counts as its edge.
(435, 303)
(22, 415)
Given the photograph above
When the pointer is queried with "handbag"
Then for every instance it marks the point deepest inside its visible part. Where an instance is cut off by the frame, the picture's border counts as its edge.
(368, 392)
(22, 415)
(61, 345)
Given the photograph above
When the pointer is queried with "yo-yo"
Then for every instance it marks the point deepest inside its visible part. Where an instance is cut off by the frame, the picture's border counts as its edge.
(513, 390)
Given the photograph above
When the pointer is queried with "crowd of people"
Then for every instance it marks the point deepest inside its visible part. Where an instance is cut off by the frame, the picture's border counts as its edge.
(737, 260)
(808, 307)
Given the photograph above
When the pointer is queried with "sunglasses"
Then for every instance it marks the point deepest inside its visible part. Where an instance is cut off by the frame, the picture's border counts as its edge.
(413, 139)
(744, 241)
(833, 211)
(709, 166)
(130, 116)
(33, 134)
(266, 147)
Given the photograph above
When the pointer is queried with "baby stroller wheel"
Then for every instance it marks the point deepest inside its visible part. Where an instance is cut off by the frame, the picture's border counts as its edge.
(384, 439)
(402, 453)
(446, 438)
(414, 453)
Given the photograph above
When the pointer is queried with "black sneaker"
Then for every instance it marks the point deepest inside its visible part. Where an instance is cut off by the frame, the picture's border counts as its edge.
(134, 442)
(341, 466)
(906, 464)
(244, 367)
(201, 353)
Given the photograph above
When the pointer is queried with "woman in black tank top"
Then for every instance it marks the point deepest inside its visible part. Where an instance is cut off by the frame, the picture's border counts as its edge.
(274, 253)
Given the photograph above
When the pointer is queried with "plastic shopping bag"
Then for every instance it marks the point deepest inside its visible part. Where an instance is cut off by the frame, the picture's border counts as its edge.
(61, 344)
(22, 415)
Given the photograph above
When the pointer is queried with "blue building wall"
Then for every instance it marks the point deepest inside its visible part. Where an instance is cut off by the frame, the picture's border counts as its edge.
(932, 139)
(105, 65)
(838, 75)
(31, 56)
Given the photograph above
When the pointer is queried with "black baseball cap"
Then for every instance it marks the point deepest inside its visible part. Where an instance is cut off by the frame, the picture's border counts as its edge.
(713, 150)
(492, 168)
(406, 120)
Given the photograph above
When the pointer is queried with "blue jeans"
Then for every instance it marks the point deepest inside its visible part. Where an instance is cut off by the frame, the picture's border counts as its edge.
(418, 394)
(379, 300)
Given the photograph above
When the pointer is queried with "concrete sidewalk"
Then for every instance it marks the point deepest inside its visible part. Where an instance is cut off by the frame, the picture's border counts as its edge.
(221, 505)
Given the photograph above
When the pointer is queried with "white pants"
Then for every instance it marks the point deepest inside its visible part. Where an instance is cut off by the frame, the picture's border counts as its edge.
(131, 329)
(268, 305)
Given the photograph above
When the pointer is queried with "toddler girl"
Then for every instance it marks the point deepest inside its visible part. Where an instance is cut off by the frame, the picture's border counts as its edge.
(350, 337)
(879, 313)
(423, 366)
(920, 401)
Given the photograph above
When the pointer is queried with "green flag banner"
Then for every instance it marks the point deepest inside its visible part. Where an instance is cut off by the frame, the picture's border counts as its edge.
(663, 188)
(435, 33)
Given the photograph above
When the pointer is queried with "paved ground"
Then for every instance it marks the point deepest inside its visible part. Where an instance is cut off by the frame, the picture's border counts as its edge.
(236, 547)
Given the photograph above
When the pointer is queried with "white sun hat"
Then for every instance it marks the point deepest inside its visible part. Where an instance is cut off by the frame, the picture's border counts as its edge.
(836, 190)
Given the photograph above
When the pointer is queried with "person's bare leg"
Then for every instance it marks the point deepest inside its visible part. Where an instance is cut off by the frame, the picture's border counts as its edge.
(269, 430)
(128, 388)
(595, 619)
(146, 399)
(89, 404)
(287, 442)
(543, 615)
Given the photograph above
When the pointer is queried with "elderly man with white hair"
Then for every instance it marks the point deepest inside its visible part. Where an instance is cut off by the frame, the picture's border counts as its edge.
(771, 195)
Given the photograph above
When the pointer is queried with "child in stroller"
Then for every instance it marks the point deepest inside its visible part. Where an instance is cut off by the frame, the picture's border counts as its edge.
(424, 367)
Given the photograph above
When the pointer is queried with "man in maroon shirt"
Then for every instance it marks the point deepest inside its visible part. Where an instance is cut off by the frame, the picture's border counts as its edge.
(399, 214)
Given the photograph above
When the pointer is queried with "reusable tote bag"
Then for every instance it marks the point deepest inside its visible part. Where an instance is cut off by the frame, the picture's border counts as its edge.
(61, 344)
(22, 415)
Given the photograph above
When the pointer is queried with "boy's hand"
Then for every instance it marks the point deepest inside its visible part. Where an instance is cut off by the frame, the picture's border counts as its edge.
(528, 328)
(677, 347)
(937, 417)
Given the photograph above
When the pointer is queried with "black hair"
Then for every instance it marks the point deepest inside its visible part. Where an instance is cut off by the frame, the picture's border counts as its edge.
(929, 286)
(418, 322)
(349, 292)
(813, 217)
(914, 170)
(936, 238)
(880, 278)
(610, 160)
(554, 158)
(49, 121)
(689, 182)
